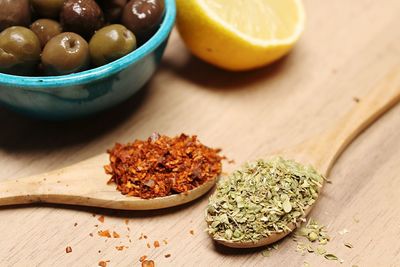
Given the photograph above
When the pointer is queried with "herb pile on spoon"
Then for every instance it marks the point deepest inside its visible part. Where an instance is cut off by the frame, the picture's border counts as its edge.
(262, 198)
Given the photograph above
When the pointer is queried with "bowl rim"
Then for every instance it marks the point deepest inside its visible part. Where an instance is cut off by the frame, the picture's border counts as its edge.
(94, 74)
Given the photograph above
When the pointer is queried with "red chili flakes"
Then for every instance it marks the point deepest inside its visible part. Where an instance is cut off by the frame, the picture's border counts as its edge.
(116, 235)
(191, 232)
(149, 263)
(105, 233)
(167, 255)
(68, 250)
(101, 219)
(156, 244)
(161, 165)
(103, 263)
(143, 258)
(120, 247)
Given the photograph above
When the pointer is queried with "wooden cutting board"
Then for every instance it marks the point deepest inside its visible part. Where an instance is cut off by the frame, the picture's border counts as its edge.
(347, 47)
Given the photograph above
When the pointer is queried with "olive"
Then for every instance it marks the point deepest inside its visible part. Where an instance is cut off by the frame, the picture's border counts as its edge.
(110, 43)
(143, 17)
(112, 9)
(47, 8)
(45, 29)
(81, 16)
(65, 53)
(19, 51)
(14, 13)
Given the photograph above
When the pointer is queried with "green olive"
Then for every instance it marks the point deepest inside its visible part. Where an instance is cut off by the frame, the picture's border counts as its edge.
(19, 51)
(45, 29)
(47, 8)
(65, 53)
(110, 43)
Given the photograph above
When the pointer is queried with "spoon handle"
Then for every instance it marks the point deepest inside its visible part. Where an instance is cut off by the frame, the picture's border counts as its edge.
(71, 185)
(329, 146)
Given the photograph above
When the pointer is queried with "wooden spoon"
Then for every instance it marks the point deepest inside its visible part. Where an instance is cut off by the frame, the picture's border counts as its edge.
(85, 183)
(323, 150)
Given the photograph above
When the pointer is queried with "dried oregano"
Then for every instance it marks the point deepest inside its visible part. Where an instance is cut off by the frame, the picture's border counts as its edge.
(261, 198)
(314, 231)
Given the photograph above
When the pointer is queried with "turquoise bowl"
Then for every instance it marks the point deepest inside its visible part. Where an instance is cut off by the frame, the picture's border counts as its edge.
(84, 93)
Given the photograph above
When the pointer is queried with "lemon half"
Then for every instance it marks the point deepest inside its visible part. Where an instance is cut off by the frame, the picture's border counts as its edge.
(240, 34)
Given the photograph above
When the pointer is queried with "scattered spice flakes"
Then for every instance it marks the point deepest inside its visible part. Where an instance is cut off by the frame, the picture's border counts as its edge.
(165, 241)
(320, 250)
(120, 247)
(356, 99)
(116, 235)
(105, 233)
(68, 249)
(167, 255)
(145, 236)
(267, 250)
(147, 263)
(101, 219)
(91, 234)
(75, 224)
(349, 245)
(103, 263)
(191, 232)
(331, 257)
(148, 245)
(156, 244)
(314, 231)
(143, 258)
(126, 221)
(162, 165)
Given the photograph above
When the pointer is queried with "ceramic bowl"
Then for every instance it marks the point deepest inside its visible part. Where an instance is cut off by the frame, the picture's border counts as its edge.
(84, 93)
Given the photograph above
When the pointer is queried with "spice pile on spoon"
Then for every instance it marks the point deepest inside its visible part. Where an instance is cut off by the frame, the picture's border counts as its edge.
(161, 166)
(262, 198)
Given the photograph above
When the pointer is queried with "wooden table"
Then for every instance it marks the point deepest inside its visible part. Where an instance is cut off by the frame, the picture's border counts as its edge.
(347, 48)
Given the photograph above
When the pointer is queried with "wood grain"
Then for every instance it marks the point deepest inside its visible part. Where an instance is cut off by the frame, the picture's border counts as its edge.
(347, 48)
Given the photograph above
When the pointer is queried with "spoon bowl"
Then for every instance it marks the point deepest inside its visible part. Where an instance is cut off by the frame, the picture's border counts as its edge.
(323, 150)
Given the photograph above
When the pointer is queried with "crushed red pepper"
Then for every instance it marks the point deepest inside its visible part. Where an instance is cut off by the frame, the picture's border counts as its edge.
(104, 233)
(148, 263)
(103, 263)
(161, 165)
(116, 235)
(68, 249)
